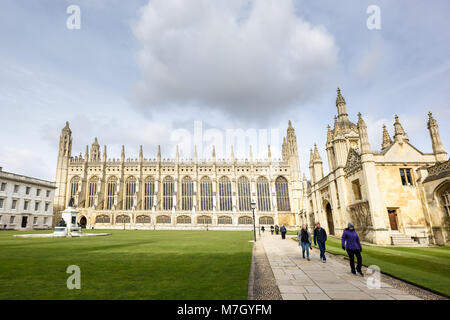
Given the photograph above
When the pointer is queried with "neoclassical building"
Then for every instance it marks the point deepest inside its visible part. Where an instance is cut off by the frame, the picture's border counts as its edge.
(395, 195)
(143, 193)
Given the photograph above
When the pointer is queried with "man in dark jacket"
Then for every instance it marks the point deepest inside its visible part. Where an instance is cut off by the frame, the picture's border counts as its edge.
(320, 236)
(353, 247)
(283, 232)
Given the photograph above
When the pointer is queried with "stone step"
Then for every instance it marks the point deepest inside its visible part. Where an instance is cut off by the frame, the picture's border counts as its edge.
(400, 239)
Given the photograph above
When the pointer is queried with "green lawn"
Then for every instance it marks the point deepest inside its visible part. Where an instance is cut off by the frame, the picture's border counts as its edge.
(428, 267)
(128, 265)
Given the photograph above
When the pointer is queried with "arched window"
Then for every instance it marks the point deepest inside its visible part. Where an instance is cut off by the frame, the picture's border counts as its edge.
(245, 220)
(149, 192)
(163, 219)
(204, 220)
(92, 191)
(263, 190)
(102, 219)
(244, 194)
(74, 185)
(226, 203)
(111, 188)
(206, 194)
(168, 193)
(130, 190)
(143, 219)
(224, 220)
(281, 187)
(122, 219)
(184, 220)
(187, 192)
(265, 220)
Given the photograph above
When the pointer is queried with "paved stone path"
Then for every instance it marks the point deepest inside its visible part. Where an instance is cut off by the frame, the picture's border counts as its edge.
(299, 279)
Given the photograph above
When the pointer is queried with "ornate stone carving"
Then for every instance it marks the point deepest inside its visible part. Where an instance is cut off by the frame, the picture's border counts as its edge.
(359, 214)
(353, 162)
(438, 171)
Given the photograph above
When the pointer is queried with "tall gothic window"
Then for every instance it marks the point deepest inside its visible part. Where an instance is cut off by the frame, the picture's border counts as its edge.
(111, 192)
(149, 192)
(263, 191)
(168, 191)
(130, 190)
(74, 185)
(206, 194)
(281, 187)
(187, 192)
(92, 191)
(226, 203)
(244, 194)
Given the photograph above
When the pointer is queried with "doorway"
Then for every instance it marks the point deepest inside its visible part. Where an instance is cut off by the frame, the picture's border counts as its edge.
(393, 219)
(24, 221)
(330, 219)
(83, 222)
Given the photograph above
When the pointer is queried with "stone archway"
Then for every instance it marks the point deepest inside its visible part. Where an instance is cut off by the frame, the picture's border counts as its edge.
(330, 222)
(83, 222)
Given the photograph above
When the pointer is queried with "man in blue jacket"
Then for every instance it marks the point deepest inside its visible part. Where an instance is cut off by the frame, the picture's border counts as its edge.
(353, 247)
(320, 236)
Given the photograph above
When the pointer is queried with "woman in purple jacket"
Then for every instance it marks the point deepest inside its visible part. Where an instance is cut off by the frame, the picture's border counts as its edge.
(353, 247)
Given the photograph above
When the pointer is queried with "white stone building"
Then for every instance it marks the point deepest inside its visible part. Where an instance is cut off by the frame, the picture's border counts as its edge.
(179, 193)
(25, 203)
(393, 195)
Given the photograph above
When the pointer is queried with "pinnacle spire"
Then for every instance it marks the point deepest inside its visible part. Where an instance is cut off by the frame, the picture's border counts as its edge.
(400, 133)
(363, 136)
(316, 155)
(387, 141)
(436, 141)
(341, 104)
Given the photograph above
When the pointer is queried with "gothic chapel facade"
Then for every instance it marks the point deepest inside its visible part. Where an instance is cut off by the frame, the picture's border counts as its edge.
(177, 193)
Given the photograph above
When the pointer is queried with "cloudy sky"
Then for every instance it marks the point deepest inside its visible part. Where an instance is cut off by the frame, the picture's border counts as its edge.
(142, 72)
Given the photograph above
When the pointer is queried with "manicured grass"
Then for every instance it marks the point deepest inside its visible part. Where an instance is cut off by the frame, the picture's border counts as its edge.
(428, 267)
(128, 265)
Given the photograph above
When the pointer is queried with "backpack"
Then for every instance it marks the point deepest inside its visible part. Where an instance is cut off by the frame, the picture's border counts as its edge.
(304, 236)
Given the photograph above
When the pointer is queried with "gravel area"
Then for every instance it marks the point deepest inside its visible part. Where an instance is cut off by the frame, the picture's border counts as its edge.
(262, 284)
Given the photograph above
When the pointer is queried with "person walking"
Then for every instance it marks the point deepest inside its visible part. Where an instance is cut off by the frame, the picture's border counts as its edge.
(271, 230)
(320, 236)
(277, 229)
(350, 242)
(304, 240)
(283, 232)
(263, 229)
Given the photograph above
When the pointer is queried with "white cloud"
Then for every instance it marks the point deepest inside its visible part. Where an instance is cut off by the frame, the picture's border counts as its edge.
(232, 55)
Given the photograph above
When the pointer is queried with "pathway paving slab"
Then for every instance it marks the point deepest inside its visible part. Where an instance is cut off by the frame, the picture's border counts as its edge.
(300, 279)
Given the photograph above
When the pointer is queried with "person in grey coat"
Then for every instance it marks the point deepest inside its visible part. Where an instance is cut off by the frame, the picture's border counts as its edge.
(304, 240)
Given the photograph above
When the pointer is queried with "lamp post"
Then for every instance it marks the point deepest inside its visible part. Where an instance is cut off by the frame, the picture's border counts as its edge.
(253, 206)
